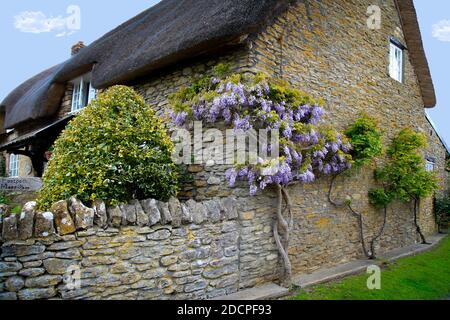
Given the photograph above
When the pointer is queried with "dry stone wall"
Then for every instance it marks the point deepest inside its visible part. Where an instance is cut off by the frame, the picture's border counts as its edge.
(141, 250)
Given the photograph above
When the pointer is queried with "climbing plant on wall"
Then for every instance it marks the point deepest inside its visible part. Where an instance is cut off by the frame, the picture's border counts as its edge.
(308, 148)
(404, 177)
(366, 139)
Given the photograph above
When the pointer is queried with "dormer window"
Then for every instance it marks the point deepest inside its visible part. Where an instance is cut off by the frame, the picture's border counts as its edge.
(83, 92)
(396, 60)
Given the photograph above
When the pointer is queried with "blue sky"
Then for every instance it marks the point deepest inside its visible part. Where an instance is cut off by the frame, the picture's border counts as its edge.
(35, 35)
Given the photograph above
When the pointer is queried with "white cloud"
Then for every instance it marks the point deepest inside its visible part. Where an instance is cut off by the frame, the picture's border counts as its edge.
(38, 22)
(441, 30)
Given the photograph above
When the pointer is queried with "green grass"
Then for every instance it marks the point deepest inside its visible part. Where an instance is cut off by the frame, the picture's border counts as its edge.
(422, 277)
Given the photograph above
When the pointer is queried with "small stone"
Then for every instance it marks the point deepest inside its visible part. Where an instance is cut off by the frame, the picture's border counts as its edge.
(168, 260)
(64, 245)
(14, 284)
(35, 294)
(213, 210)
(69, 254)
(43, 281)
(175, 211)
(115, 217)
(43, 226)
(198, 211)
(100, 214)
(10, 228)
(22, 250)
(166, 217)
(142, 219)
(63, 220)
(8, 296)
(229, 208)
(32, 272)
(195, 168)
(161, 234)
(82, 215)
(186, 217)
(212, 180)
(248, 215)
(128, 214)
(150, 207)
(198, 285)
(26, 221)
(58, 266)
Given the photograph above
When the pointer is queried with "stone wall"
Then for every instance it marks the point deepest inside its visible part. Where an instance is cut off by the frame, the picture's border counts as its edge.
(326, 49)
(141, 250)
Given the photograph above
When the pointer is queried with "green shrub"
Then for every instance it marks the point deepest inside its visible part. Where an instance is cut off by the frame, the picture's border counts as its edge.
(116, 149)
(16, 210)
(404, 176)
(4, 198)
(366, 138)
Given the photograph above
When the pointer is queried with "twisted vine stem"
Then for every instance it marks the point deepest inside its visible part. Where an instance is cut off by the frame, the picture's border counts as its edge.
(281, 232)
(416, 223)
(370, 254)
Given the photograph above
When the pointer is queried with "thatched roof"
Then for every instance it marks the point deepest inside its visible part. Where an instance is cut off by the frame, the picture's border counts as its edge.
(171, 31)
(414, 42)
(34, 99)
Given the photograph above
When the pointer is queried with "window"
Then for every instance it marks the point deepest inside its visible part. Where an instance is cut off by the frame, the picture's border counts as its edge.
(83, 93)
(396, 61)
(429, 166)
(13, 165)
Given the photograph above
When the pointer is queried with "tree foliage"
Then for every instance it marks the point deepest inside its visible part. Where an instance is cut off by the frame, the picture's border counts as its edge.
(116, 149)
(365, 137)
(404, 177)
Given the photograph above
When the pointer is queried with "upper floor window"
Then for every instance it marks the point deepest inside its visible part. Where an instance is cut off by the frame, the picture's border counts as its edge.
(396, 61)
(429, 166)
(13, 165)
(83, 92)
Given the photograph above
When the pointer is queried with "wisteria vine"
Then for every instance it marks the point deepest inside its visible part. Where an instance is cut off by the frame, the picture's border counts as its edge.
(308, 148)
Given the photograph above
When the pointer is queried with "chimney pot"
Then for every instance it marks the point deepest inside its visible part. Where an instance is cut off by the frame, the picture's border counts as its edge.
(77, 47)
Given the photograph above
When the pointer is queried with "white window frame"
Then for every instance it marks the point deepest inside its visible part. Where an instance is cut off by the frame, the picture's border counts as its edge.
(429, 165)
(13, 165)
(396, 61)
(82, 88)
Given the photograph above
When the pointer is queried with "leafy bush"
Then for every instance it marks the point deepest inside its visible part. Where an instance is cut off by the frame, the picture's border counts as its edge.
(4, 199)
(404, 176)
(116, 149)
(366, 139)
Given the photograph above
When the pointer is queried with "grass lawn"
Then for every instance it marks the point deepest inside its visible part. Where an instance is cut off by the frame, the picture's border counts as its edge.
(422, 277)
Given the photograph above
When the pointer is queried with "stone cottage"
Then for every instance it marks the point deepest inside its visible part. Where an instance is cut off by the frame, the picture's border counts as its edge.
(359, 55)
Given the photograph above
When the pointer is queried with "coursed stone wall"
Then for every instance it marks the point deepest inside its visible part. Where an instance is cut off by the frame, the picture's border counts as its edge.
(142, 250)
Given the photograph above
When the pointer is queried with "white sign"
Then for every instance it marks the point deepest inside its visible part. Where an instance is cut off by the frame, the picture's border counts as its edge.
(20, 184)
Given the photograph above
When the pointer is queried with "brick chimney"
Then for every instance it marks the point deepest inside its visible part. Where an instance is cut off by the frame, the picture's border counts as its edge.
(77, 47)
